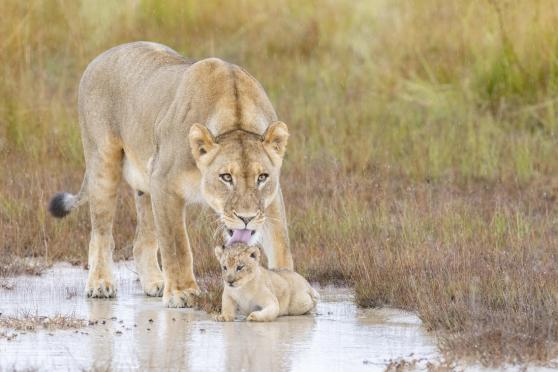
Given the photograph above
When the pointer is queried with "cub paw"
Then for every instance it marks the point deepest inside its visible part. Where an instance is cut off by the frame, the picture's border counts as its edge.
(181, 298)
(101, 288)
(154, 289)
(255, 317)
(224, 318)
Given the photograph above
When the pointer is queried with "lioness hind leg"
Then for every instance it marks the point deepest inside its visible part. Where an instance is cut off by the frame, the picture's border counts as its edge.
(104, 175)
(145, 248)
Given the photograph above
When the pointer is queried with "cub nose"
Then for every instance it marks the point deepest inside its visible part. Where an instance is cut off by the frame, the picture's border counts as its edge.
(244, 218)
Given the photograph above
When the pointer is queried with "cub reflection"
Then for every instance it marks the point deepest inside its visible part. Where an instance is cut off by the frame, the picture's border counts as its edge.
(265, 346)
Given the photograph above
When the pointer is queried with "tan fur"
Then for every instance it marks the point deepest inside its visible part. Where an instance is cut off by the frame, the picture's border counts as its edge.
(257, 292)
(171, 126)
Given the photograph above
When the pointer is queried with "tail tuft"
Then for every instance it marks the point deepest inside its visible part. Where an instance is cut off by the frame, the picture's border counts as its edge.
(61, 204)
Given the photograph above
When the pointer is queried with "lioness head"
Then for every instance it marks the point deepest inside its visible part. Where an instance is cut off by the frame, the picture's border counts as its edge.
(239, 263)
(240, 175)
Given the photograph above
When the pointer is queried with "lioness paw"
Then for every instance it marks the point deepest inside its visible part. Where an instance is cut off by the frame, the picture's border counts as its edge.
(154, 289)
(224, 318)
(181, 298)
(101, 289)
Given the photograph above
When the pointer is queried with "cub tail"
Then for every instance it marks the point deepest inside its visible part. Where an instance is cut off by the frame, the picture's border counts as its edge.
(314, 295)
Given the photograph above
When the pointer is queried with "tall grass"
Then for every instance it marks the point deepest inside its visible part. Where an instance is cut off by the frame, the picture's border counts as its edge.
(422, 154)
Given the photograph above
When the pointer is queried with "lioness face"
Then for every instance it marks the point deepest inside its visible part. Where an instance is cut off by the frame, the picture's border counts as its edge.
(240, 176)
(239, 263)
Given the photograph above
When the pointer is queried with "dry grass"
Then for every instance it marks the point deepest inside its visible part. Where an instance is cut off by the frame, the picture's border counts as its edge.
(421, 166)
(10, 266)
(212, 289)
(30, 322)
(6, 284)
(479, 266)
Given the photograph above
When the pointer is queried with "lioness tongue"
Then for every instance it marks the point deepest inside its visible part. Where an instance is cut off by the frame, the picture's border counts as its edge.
(240, 236)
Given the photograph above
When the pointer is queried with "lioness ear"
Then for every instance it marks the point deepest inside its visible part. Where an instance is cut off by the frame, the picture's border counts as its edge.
(201, 141)
(276, 136)
(254, 253)
(218, 252)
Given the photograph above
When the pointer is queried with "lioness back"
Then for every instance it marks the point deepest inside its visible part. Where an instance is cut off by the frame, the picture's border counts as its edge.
(133, 96)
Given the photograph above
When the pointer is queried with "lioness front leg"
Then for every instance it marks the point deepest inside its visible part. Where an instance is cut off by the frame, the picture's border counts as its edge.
(276, 236)
(228, 309)
(178, 273)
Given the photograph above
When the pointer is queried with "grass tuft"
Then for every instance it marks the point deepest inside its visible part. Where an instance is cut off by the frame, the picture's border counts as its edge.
(30, 322)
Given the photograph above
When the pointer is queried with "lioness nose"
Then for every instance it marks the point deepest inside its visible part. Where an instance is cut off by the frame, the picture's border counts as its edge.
(245, 219)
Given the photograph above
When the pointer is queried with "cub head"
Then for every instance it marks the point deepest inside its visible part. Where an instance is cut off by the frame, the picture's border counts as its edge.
(239, 263)
(240, 175)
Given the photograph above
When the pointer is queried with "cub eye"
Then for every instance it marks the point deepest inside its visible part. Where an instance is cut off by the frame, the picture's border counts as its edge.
(262, 177)
(240, 267)
(226, 177)
(224, 268)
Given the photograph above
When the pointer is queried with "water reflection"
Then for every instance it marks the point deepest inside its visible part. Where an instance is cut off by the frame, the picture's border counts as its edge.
(137, 332)
(265, 346)
(101, 346)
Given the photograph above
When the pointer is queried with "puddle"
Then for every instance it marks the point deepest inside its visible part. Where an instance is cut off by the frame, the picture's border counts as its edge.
(140, 333)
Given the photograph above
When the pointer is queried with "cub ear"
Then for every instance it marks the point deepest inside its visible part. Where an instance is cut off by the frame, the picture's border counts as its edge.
(276, 136)
(201, 141)
(218, 251)
(254, 253)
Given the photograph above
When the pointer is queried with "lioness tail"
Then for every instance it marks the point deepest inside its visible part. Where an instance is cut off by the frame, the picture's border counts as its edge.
(62, 203)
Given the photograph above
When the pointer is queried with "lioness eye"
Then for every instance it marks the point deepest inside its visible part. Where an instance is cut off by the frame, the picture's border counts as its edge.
(262, 177)
(224, 268)
(238, 268)
(226, 177)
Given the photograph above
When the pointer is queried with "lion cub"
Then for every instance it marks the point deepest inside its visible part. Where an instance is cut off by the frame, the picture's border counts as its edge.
(257, 292)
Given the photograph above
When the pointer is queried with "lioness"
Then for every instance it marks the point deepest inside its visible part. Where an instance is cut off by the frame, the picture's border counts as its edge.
(178, 132)
(257, 292)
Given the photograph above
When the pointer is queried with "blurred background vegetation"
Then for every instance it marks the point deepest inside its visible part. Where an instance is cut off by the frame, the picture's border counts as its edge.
(421, 164)
(430, 89)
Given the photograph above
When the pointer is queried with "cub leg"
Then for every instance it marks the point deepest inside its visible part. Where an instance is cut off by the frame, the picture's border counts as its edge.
(145, 248)
(178, 272)
(269, 312)
(301, 303)
(104, 170)
(228, 309)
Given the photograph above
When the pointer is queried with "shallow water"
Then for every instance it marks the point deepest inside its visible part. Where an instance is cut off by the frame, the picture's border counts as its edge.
(140, 333)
